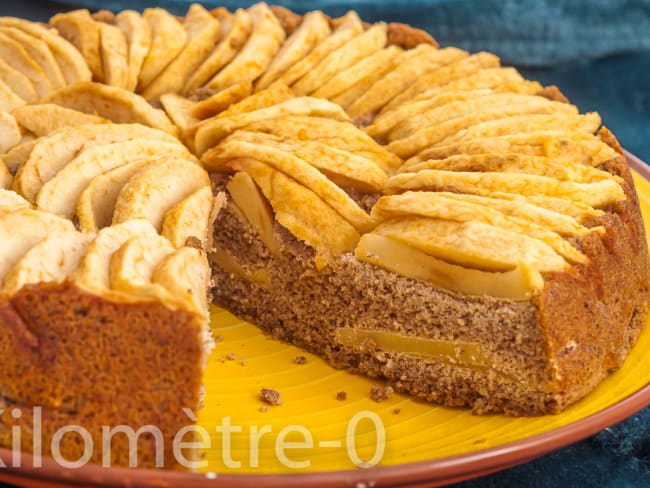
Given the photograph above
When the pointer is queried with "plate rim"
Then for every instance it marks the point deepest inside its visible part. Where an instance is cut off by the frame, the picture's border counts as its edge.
(435, 472)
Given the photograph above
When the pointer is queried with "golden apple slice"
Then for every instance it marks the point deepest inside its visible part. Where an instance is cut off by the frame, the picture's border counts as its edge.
(50, 154)
(438, 206)
(138, 36)
(264, 42)
(268, 97)
(185, 274)
(212, 131)
(491, 123)
(220, 101)
(579, 147)
(203, 32)
(39, 51)
(466, 244)
(59, 195)
(419, 61)
(457, 69)
(255, 208)
(96, 203)
(597, 195)
(6, 178)
(358, 48)
(357, 72)
(113, 103)
(17, 82)
(466, 354)
(298, 169)
(15, 55)
(132, 265)
(70, 60)
(311, 31)
(43, 118)
(52, 260)
(22, 229)
(189, 219)
(80, 29)
(560, 169)
(382, 124)
(167, 39)
(152, 192)
(302, 212)
(224, 260)
(10, 200)
(340, 135)
(501, 104)
(347, 29)
(17, 155)
(340, 166)
(403, 259)
(179, 109)
(115, 55)
(10, 134)
(9, 99)
(235, 31)
(93, 272)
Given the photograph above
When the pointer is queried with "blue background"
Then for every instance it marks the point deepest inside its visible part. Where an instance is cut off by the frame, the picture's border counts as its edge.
(598, 53)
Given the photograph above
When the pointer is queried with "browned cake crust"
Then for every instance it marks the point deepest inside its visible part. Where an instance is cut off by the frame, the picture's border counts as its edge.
(540, 355)
(80, 358)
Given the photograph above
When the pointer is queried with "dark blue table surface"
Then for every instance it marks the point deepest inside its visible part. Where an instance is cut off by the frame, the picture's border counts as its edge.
(602, 69)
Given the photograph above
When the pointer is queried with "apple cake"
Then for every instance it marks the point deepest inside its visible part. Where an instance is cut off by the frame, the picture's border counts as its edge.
(407, 211)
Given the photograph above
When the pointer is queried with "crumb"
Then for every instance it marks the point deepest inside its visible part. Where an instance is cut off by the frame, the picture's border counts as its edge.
(243, 362)
(263, 408)
(397, 410)
(219, 338)
(223, 360)
(230, 356)
(379, 394)
(272, 397)
(300, 360)
(341, 396)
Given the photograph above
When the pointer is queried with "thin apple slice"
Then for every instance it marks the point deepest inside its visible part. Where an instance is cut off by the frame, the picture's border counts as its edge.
(255, 208)
(152, 192)
(473, 244)
(43, 118)
(10, 134)
(132, 265)
(10, 201)
(50, 154)
(96, 203)
(93, 272)
(185, 274)
(188, 222)
(59, 195)
(52, 260)
(302, 212)
(22, 229)
(598, 195)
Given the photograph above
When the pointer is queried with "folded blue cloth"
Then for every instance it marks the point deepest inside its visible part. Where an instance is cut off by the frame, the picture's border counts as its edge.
(522, 32)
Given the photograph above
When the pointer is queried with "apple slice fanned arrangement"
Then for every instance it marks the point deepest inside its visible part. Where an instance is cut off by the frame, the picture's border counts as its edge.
(341, 147)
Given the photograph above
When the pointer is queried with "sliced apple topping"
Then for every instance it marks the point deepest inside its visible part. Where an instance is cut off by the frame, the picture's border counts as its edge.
(152, 192)
(395, 256)
(53, 259)
(598, 195)
(298, 169)
(21, 229)
(255, 208)
(302, 212)
(189, 219)
(229, 264)
(473, 244)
